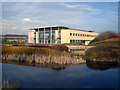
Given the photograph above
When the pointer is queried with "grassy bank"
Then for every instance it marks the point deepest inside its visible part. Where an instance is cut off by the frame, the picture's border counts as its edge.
(103, 54)
(38, 55)
(107, 42)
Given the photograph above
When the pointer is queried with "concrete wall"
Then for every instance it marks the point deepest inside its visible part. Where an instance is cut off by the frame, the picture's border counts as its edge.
(82, 37)
(65, 36)
(56, 36)
(37, 37)
(31, 37)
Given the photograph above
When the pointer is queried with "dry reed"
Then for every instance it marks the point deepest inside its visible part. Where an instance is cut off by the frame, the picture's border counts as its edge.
(38, 55)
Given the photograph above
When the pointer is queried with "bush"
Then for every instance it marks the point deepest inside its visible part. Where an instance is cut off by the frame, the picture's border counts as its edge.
(60, 47)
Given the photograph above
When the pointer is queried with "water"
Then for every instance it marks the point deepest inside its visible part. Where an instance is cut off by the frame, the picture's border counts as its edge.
(79, 76)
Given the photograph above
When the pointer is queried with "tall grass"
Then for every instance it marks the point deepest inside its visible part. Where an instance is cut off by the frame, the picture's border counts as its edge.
(38, 55)
(59, 47)
(9, 84)
(102, 53)
(30, 50)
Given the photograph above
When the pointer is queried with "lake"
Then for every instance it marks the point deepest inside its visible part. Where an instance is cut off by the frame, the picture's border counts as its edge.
(73, 76)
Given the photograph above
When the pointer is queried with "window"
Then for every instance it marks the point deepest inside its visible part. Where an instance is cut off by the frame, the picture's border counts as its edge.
(76, 34)
(73, 34)
(42, 41)
(41, 35)
(70, 34)
(53, 41)
(48, 41)
(83, 34)
(80, 34)
(73, 41)
(39, 41)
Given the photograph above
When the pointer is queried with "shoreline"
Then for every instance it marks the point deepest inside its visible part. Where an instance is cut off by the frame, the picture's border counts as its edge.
(51, 66)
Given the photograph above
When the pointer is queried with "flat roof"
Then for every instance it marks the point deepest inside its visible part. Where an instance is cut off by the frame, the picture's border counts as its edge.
(56, 27)
(48, 27)
(14, 35)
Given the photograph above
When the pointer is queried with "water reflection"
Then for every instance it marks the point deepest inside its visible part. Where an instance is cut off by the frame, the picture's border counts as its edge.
(91, 65)
(102, 66)
(52, 66)
(71, 77)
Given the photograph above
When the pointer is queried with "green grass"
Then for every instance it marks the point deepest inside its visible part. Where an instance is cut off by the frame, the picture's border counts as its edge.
(105, 43)
(12, 43)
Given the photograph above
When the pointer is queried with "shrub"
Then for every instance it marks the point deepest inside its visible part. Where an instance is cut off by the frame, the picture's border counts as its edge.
(60, 47)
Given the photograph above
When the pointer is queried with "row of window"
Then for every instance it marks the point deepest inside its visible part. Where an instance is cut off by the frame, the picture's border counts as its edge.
(85, 35)
(76, 41)
(46, 41)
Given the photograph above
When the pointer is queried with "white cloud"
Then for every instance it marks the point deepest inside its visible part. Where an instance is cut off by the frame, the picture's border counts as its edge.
(72, 6)
(27, 20)
(81, 7)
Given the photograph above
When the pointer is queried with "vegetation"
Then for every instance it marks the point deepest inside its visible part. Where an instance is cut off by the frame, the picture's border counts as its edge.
(60, 47)
(56, 47)
(106, 48)
(103, 54)
(13, 43)
(39, 55)
(105, 35)
(102, 66)
(30, 50)
(9, 84)
(107, 42)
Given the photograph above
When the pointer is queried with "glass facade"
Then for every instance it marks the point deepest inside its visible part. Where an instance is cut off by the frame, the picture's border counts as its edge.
(46, 37)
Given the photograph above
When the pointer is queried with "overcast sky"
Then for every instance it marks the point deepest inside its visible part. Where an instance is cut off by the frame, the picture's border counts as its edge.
(19, 17)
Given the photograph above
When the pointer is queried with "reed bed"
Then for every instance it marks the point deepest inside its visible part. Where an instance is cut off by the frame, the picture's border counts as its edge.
(103, 54)
(38, 55)
(10, 84)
